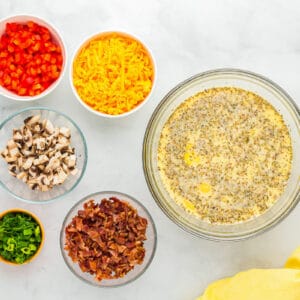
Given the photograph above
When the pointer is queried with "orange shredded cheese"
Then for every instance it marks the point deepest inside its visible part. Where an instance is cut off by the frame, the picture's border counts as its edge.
(113, 73)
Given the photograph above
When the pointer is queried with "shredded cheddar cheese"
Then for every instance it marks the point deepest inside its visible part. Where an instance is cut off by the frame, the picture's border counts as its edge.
(113, 73)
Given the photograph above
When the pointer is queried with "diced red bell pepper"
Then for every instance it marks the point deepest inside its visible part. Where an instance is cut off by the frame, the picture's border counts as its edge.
(30, 60)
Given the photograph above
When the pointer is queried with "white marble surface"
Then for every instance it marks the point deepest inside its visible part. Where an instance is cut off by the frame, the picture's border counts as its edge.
(186, 37)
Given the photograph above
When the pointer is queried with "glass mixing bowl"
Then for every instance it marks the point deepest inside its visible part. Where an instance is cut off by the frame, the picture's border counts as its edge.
(149, 244)
(221, 78)
(19, 189)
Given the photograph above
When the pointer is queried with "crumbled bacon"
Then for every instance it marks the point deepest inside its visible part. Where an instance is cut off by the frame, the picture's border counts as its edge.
(106, 239)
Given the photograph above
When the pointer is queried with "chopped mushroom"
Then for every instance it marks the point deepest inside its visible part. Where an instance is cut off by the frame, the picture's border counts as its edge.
(32, 120)
(17, 136)
(49, 128)
(65, 131)
(28, 163)
(40, 154)
(40, 143)
(27, 136)
(41, 160)
(71, 161)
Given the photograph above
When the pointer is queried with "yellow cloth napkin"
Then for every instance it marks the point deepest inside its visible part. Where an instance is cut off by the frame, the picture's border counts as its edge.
(259, 284)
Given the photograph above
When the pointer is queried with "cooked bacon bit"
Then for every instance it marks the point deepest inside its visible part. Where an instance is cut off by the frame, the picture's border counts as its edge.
(106, 239)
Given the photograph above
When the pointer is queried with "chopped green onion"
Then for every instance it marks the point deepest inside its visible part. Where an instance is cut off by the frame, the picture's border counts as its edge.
(27, 232)
(20, 237)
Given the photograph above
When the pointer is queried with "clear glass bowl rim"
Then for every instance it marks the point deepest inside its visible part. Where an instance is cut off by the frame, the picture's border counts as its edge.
(85, 153)
(161, 104)
(90, 196)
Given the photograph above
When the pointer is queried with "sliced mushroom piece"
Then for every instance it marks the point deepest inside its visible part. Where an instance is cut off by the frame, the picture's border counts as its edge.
(41, 167)
(64, 155)
(42, 159)
(63, 140)
(40, 143)
(45, 181)
(33, 172)
(71, 161)
(17, 136)
(56, 132)
(53, 142)
(27, 152)
(49, 139)
(10, 159)
(50, 153)
(27, 136)
(59, 178)
(68, 150)
(44, 188)
(50, 176)
(14, 152)
(12, 173)
(13, 148)
(32, 120)
(20, 145)
(65, 168)
(58, 155)
(37, 128)
(48, 126)
(22, 176)
(4, 153)
(11, 144)
(32, 181)
(33, 186)
(28, 163)
(52, 165)
(59, 147)
(13, 169)
(65, 132)
(20, 162)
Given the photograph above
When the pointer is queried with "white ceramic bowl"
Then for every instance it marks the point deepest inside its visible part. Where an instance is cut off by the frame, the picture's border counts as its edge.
(56, 38)
(85, 43)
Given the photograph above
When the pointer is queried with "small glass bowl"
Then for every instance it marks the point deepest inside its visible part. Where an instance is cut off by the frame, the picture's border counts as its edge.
(57, 38)
(19, 189)
(149, 244)
(84, 44)
(211, 79)
(19, 210)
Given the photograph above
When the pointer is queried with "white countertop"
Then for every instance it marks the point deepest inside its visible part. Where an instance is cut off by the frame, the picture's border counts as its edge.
(187, 37)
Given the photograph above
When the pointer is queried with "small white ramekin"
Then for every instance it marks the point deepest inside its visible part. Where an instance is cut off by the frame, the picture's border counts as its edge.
(86, 42)
(56, 38)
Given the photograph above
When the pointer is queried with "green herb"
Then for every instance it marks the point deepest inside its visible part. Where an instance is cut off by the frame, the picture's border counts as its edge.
(20, 237)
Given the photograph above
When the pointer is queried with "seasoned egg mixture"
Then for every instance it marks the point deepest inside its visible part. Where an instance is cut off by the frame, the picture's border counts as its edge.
(225, 155)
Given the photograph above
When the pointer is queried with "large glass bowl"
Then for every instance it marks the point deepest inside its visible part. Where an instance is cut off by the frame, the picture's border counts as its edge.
(149, 244)
(19, 189)
(221, 78)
